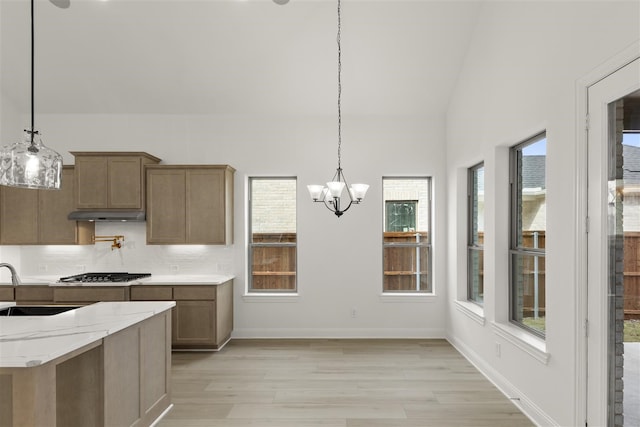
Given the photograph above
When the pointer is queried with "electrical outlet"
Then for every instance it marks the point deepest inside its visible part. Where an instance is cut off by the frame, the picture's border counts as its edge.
(174, 268)
(42, 268)
(354, 313)
(498, 350)
(80, 268)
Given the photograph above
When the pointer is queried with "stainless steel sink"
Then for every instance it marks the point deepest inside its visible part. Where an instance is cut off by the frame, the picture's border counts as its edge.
(35, 310)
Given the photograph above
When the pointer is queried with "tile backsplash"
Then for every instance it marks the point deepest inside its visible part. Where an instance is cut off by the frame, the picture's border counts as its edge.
(134, 256)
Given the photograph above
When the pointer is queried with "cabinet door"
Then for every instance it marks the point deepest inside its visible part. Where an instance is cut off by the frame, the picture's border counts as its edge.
(89, 294)
(125, 183)
(205, 206)
(18, 216)
(53, 208)
(151, 293)
(166, 216)
(29, 294)
(91, 182)
(6, 293)
(194, 324)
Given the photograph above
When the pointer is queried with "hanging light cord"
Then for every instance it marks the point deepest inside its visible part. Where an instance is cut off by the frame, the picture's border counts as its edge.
(32, 148)
(339, 90)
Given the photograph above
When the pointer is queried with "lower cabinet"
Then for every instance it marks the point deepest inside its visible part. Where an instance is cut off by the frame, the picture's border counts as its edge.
(34, 294)
(202, 317)
(6, 293)
(89, 294)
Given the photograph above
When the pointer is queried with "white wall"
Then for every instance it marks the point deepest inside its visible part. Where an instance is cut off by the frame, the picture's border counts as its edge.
(519, 78)
(290, 146)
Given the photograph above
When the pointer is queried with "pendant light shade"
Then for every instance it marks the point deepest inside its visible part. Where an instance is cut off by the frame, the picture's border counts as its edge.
(30, 164)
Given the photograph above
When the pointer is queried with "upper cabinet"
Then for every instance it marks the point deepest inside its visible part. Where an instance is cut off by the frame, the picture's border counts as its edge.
(30, 217)
(189, 204)
(111, 180)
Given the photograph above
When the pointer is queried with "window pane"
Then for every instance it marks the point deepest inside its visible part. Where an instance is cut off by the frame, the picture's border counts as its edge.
(406, 268)
(273, 207)
(528, 290)
(528, 234)
(401, 216)
(406, 237)
(272, 221)
(475, 253)
(476, 275)
(476, 209)
(274, 267)
(410, 191)
(531, 194)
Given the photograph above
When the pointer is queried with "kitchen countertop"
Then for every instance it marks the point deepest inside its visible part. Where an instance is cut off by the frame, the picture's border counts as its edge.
(4, 304)
(208, 279)
(27, 341)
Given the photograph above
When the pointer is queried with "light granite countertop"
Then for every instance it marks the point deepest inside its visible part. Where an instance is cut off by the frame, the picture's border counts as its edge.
(27, 341)
(173, 280)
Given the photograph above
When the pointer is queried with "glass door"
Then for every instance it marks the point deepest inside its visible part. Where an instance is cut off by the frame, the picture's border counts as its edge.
(614, 250)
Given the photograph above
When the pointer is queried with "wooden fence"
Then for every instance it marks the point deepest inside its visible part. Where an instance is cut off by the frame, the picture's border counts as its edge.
(632, 275)
(406, 269)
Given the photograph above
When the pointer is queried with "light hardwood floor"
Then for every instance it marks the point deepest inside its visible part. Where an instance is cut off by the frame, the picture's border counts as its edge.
(335, 383)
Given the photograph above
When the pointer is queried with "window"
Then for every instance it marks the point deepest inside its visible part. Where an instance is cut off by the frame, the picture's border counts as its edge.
(528, 234)
(475, 245)
(272, 231)
(406, 235)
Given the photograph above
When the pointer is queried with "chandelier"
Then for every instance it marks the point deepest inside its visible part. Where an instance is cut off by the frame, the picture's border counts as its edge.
(331, 194)
(29, 163)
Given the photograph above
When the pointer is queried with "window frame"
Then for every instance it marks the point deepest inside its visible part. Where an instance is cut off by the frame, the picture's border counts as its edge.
(251, 245)
(472, 225)
(515, 227)
(418, 245)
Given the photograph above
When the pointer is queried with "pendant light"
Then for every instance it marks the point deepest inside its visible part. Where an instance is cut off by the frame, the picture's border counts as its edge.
(331, 194)
(29, 163)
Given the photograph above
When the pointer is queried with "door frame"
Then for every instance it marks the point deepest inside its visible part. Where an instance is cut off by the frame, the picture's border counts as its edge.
(606, 69)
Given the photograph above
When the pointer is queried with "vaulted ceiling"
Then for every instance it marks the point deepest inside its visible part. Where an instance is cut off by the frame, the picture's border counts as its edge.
(235, 57)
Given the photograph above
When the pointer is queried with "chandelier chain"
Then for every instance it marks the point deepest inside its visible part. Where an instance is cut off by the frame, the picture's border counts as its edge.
(33, 128)
(339, 89)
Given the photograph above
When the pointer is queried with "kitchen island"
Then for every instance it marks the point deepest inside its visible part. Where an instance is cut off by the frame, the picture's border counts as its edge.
(105, 364)
(202, 318)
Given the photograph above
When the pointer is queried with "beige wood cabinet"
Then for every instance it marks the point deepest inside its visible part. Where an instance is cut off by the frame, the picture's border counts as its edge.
(202, 317)
(34, 294)
(111, 180)
(89, 294)
(7, 293)
(189, 204)
(39, 217)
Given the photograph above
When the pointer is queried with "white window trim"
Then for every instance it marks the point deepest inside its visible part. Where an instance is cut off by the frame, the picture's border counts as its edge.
(473, 311)
(531, 344)
(273, 297)
(410, 297)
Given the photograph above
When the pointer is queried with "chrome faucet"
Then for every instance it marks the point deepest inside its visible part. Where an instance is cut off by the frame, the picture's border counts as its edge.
(14, 276)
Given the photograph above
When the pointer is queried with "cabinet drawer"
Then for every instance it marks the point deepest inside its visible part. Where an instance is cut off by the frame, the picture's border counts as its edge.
(34, 293)
(194, 292)
(6, 293)
(92, 294)
(151, 293)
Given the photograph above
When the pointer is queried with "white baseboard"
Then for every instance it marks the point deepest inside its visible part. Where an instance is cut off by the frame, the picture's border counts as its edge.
(355, 333)
(529, 408)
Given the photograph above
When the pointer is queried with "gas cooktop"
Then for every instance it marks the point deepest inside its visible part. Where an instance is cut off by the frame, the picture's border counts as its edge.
(103, 277)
